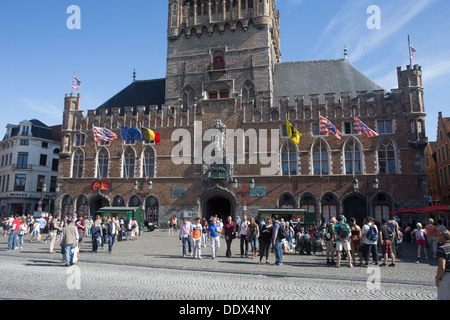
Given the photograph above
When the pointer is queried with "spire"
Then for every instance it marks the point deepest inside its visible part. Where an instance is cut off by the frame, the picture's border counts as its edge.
(345, 53)
(134, 75)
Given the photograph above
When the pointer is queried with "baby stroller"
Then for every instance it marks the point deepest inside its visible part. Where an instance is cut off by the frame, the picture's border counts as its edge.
(304, 245)
(317, 245)
(122, 234)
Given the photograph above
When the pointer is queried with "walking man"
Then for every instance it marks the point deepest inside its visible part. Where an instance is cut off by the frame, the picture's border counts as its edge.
(277, 241)
(13, 239)
(196, 231)
(214, 232)
(55, 227)
(113, 231)
(185, 236)
(343, 232)
(69, 239)
(329, 237)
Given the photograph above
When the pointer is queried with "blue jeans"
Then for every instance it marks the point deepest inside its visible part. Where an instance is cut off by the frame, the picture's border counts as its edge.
(13, 240)
(112, 238)
(189, 241)
(278, 252)
(253, 243)
(67, 256)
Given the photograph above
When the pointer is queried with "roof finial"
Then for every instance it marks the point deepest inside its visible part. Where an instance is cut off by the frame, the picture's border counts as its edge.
(134, 75)
(345, 52)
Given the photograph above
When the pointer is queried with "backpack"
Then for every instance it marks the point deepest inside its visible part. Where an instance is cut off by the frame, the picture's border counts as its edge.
(344, 230)
(372, 234)
(326, 233)
(282, 234)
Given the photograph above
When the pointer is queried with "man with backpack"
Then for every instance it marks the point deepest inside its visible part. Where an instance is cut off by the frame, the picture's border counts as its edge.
(343, 232)
(277, 237)
(370, 238)
(329, 237)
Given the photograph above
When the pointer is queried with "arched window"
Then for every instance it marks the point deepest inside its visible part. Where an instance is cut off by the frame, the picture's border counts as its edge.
(287, 201)
(78, 164)
(135, 202)
(308, 202)
(218, 60)
(352, 155)
(320, 158)
(152, 209)
(102, 164)
(118, 201)
(386, 157)
(248, 91)
(330, 204)
(149, 162)
(129, 163)
(82, 206)
(187, 97)
(289, 159)
(67, 206)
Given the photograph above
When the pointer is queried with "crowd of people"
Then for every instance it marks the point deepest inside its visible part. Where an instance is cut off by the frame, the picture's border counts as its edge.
(68, 232)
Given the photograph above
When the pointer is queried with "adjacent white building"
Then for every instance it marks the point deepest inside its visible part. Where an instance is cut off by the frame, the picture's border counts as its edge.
(29, 160)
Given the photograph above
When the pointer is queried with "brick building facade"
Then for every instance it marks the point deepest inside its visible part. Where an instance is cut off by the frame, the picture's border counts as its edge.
(437, 159)
(224, 73)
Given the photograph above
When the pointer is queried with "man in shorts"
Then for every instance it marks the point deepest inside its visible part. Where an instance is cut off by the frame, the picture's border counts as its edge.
(330, 242)
(387, 235)
(342, 231)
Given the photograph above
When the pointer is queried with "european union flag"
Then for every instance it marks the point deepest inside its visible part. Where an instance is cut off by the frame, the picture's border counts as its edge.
(131, 134)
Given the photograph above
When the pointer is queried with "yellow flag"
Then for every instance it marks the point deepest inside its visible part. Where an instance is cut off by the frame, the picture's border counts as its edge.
(293, 133)
(147, 134)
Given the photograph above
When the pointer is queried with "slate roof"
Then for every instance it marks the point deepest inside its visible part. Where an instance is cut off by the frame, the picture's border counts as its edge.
(139, 93)
(320, 77)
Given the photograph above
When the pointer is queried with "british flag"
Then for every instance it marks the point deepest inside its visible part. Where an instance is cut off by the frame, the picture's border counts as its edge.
(359, 126)
(102, 134)
(327, 127)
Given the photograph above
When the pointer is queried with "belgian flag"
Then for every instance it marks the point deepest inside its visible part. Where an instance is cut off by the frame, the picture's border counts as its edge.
(150, 135)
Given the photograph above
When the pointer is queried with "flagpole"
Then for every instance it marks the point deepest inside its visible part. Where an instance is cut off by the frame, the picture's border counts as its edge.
(409, 48)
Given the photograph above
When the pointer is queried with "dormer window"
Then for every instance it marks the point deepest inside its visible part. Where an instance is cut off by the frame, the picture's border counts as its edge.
(25, 130)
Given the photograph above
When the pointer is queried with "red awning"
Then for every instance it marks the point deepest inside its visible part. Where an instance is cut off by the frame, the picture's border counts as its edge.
(439, 208)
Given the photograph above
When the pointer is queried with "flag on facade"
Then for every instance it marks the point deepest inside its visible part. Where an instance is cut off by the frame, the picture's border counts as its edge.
(327, 127)
(359, 126)
(131, 134)
(150, 135)
(293, 133)
(102, 134)
(76, 84)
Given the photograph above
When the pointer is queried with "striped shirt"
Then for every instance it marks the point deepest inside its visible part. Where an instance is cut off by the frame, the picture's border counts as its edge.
(443, 252)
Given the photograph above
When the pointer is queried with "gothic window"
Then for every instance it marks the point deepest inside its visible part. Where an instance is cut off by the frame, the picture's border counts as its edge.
(67, 206)
(188, 98)
(149, 163)
(78, 164)
(308, 202)
(135, 202)
(118, 201)
(329, 206)
(289, 159)
(352, 157)
(129, 163)
(248, 91)
(82, 206)
(386, 157)
(287, 201)
(152, 209)
(102, 164)
(320, 158)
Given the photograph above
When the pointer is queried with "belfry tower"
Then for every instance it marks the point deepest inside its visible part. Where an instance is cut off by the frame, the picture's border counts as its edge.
(222, 50)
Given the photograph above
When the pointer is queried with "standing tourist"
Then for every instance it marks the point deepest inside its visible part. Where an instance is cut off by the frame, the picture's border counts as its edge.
(81, 226)
(23, 229)
(355, 241)
(134, 227)
(393, 224)
(253, 235)
(35, 232)
(214, 232)
(69, 239)
(54, 229)
(276, 241)
(329, 237)
(266, 240)
(229, 229)
(171, 224)
(343, 232)
(196, 231)
(387, 236)
(443, 255)
(96, 236)
(431, 236)
(370, 238)
(419, 233)
(13, 239)
(112, 231)
(243, 228)
(185, 236)
(205, 232)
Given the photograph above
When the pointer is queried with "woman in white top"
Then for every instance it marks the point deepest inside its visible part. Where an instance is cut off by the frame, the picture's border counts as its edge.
(421, 241)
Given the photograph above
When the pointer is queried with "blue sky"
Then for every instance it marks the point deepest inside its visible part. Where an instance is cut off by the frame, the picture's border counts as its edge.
(38, 53)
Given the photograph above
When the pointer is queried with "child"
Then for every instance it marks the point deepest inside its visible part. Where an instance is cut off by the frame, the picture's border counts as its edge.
(419, 233)
(197, 230)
